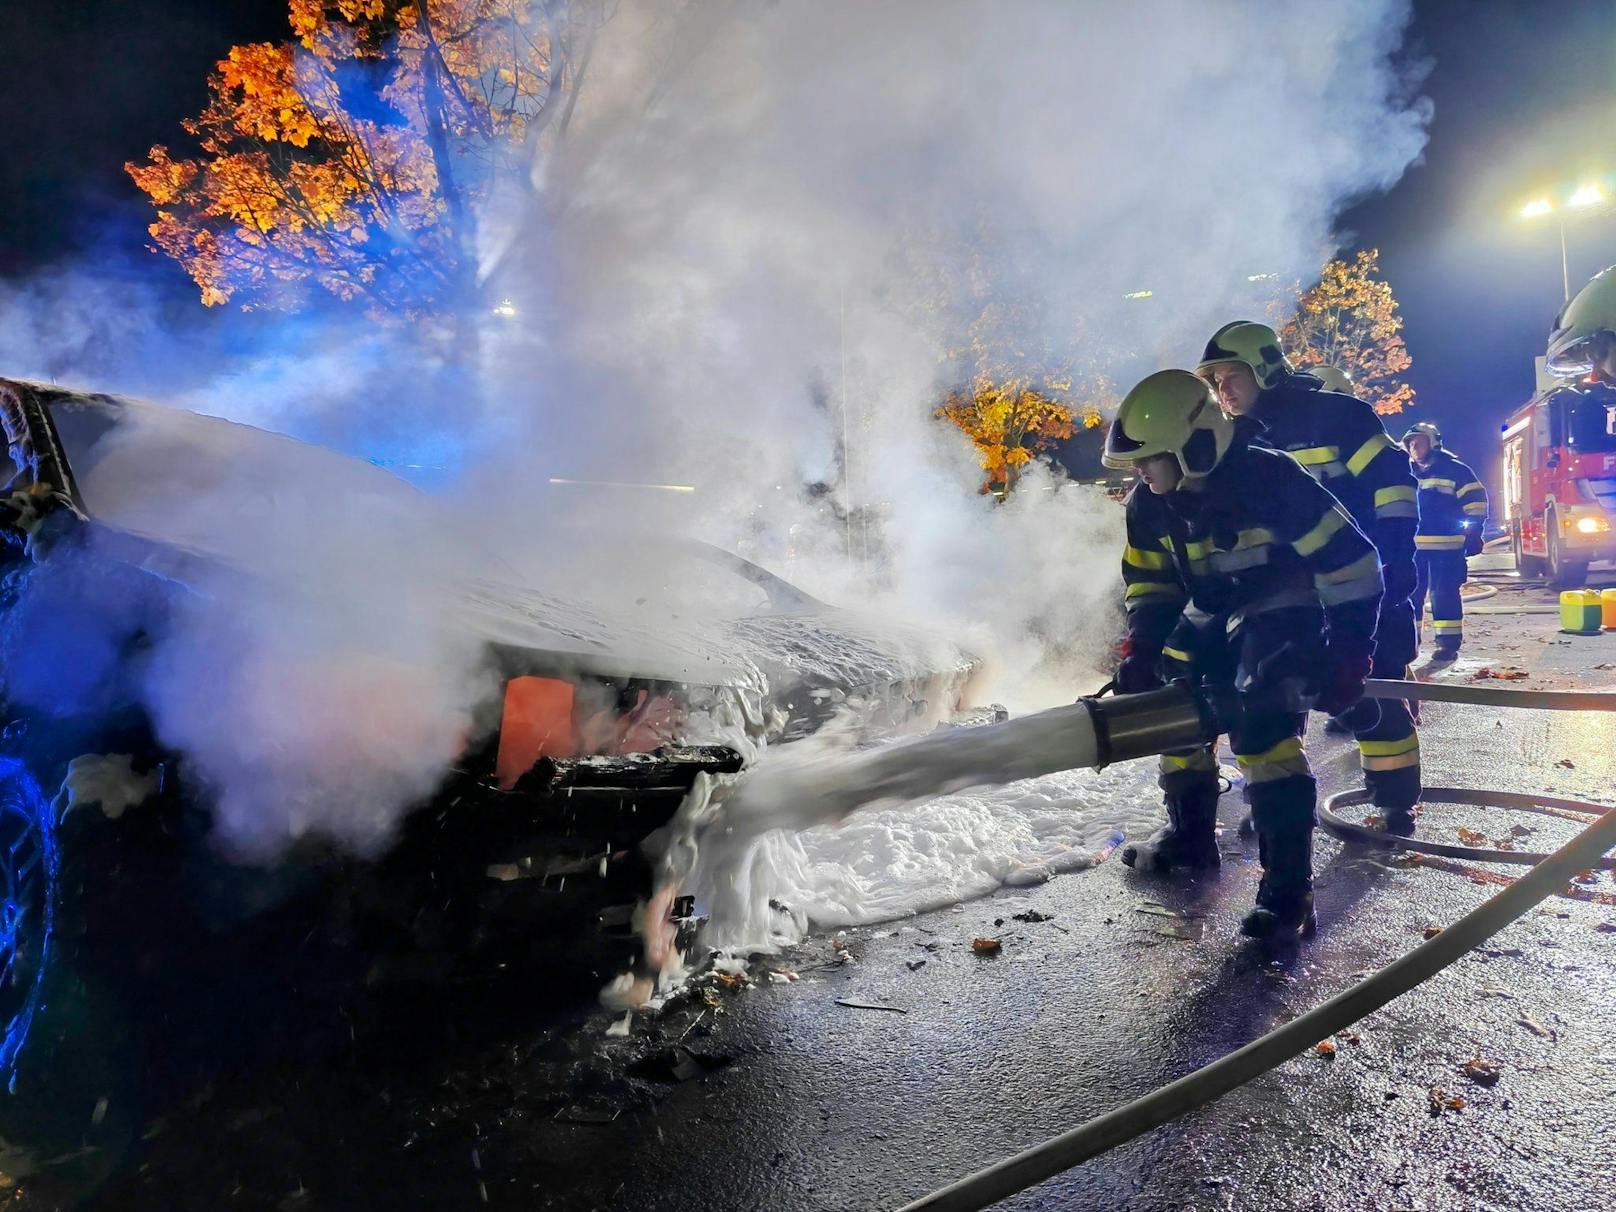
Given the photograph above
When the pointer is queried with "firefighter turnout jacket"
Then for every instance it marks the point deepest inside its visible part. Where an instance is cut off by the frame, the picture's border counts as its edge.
(1260, 534)
(1344, 446)
(1453, 504)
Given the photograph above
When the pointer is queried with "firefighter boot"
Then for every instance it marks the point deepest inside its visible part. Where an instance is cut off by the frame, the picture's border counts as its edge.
(1283, 812)
(1190, 838)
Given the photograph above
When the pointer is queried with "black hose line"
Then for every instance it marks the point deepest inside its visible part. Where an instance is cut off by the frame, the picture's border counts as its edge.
(1125, 1123)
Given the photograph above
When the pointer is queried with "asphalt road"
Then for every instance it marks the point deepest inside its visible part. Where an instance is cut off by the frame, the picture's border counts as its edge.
(785, 1099)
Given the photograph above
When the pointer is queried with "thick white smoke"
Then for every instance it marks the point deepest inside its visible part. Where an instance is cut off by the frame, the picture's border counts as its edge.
(745, 265)
(766, 228)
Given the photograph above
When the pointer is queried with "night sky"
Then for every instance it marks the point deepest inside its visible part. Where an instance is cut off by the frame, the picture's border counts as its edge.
(1523, 100)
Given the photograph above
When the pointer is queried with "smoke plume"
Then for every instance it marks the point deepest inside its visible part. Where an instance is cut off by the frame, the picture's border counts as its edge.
(747, 264)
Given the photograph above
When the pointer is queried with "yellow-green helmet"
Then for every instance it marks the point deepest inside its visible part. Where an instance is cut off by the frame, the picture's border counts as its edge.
(1170, 412)
(1334, 379)
(1255, 345)
(1592, 312)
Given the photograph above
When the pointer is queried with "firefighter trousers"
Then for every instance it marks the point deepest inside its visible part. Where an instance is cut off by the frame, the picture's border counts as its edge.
(1440, 572)
(1389, 747)
(1267, 745)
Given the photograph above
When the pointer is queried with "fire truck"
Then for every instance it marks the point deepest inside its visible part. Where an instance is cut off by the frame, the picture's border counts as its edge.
(1559, 479)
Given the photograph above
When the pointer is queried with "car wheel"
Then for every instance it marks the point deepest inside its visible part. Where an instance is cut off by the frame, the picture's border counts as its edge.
(1563, 573)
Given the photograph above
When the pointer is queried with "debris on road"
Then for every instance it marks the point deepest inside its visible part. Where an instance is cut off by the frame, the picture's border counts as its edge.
(1537, 1028)
(1325, 1048)
(1032, 915)
(1156, 910)
(1505, 673)
(986, 946)
(1483, 1073)
(915, 965)
(1566, 764)
(1442, 1101)
(1431, 932)
(1187, 931)
(1472, 837)
(853, 1005)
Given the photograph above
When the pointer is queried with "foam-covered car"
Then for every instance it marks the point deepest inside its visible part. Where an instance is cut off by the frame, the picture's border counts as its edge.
(591, 721)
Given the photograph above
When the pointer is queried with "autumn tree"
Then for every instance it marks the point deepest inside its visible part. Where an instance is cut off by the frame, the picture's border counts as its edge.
(1349, 320)
(353, 159)
(1011, 421)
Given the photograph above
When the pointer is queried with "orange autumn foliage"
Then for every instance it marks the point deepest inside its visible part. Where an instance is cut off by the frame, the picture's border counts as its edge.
(1349, 320)
(350, 160)
(1010, 422)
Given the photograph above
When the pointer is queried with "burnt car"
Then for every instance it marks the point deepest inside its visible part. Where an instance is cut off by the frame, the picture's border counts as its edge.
(591, 721)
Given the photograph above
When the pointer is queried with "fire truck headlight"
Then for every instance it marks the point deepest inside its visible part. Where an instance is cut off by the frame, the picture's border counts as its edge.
(1588, 525)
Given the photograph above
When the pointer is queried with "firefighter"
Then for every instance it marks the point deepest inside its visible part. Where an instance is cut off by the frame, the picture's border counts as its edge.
(1342, 443)
(1239, 568)
(1333, 378)
(1453, 510)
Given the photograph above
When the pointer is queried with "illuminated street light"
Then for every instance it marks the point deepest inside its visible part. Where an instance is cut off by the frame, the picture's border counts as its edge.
(505, 309)
(1140, 294)
(1584, 198)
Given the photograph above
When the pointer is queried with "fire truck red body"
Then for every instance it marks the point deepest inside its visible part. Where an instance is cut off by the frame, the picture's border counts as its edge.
(1559, 480)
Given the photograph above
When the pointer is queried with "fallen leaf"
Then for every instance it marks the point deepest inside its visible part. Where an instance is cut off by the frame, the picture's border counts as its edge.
(731, 980)
(1521, 830)
(1432, 931)
(1375, 822)
(986, 946)
(1606, 927)
(1586, 877)
(1508, 673)
(1349, 1037)
(1442, 1101)
(1483, 1073)
(1504, 843)
(1325, 1048)
(1472, 837)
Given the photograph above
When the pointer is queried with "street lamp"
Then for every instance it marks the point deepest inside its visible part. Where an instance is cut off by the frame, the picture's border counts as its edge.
(1584, 197)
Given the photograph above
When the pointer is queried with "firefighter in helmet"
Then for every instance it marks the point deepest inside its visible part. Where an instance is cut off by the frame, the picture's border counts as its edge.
(1239, 568)
(1342, 444)
(1453, 510)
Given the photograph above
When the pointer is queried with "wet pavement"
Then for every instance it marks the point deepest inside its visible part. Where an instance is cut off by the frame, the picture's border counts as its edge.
(774, 1095)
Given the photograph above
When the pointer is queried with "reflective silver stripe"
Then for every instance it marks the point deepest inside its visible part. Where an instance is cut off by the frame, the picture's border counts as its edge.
(1350, 591)
(1398, 509)
(1232, 561)
(1279, 600)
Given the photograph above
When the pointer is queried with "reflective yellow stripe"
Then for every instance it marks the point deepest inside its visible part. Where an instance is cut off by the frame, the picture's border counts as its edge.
(1438, 542)
(1290, 747)
(1201, 759)
(1476, 509)
(1178, 654)
(1367, 452)
(1141, 589)
(1144, 559)
(1438, 485)
(1385, 496)
(1247, 539)
(1321, 534)
(1316, 454)
(1403, 744)
(1473, 486)
(1448, 625)
(1397, 762)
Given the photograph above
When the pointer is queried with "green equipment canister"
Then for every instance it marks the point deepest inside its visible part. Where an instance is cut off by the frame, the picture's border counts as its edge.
(1580, 612)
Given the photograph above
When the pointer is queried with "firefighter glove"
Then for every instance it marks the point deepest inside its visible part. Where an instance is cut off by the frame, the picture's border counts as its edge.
(1472, 541)
(1137, 673)
(1345, 669)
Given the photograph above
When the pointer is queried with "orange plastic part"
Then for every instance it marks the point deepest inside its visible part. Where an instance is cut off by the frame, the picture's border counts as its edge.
(537, 724)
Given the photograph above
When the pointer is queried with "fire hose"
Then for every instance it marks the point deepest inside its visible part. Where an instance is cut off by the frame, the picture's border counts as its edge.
(1550, 874)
